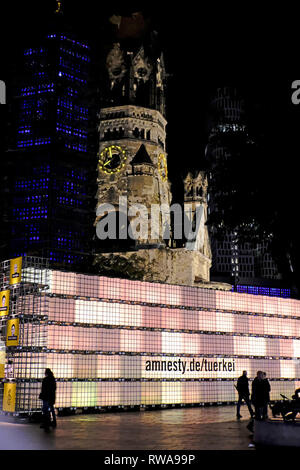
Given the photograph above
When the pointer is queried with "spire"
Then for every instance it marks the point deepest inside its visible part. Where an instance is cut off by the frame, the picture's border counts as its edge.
(141, 157)
(133, 25)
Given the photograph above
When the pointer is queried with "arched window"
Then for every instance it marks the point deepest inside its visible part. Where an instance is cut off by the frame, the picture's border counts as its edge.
(107, 134)
(136, 132)
(199, 191)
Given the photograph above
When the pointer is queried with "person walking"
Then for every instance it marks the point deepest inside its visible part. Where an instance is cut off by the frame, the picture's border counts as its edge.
(259, 397)
(243, 391)
(48, 396)
(267, 389)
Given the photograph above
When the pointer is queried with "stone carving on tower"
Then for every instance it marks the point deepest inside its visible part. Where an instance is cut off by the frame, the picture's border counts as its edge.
(115, 64)
(141, 65)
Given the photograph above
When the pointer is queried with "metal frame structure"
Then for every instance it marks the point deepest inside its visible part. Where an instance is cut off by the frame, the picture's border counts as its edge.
(28, 303)
(116, 343)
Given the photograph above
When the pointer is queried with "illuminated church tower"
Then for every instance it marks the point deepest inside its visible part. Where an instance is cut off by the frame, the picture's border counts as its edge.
(132, 131)
(132, 167)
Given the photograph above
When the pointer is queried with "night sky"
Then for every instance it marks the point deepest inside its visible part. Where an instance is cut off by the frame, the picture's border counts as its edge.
(205, 47)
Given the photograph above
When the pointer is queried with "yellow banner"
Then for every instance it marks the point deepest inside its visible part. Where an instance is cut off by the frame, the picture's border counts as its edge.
(9, 397)
(15, 270)
(4, 302)
(12, 332)
(2, 364)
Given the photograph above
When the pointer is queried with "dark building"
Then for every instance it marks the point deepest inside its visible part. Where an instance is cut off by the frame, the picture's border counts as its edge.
(234, 261)
(4, 182)
(51, 193)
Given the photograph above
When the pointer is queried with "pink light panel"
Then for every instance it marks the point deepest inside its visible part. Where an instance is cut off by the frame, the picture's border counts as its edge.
(102, 333)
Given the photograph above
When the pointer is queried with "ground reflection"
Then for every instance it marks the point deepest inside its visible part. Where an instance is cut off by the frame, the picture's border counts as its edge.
(183, 428)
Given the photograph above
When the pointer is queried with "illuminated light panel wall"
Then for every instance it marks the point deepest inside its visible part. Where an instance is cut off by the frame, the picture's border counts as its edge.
(115, 342)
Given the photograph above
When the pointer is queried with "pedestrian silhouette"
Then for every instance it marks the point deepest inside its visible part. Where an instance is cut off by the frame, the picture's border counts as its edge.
(260, 395)
(267, 389)
(242, 387)
(48, 396)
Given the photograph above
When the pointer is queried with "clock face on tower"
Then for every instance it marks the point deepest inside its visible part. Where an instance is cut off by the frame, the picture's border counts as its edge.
(162, 167)
(112, 159)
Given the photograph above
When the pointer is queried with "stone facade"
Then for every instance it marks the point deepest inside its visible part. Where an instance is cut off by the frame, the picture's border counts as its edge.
(139, 180)
(133, 165)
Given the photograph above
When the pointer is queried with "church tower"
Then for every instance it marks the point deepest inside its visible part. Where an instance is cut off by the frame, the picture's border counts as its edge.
(133, 169)
(132, 130)
(195, 209)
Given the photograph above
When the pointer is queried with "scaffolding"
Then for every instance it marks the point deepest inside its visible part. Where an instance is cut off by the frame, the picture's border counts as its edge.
(24, 358)
(115, 343)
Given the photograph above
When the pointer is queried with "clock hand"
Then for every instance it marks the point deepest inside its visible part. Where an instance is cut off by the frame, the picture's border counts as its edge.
(109, 158)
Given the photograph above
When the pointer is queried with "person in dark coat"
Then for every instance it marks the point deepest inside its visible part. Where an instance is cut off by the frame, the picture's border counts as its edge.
(48, 396)
(259, 395)
(267, 388)
(243, 391)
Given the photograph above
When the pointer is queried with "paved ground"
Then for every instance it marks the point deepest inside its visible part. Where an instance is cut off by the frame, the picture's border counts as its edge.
(212, 428)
